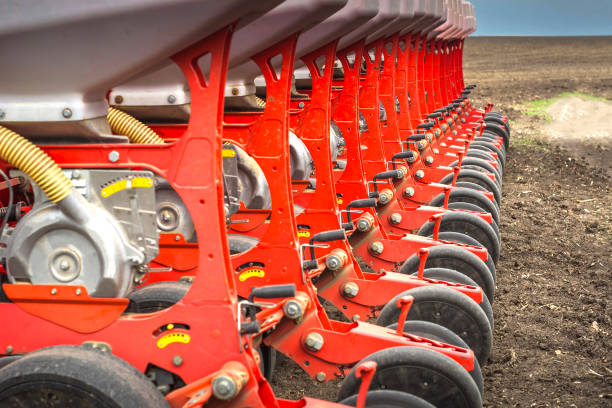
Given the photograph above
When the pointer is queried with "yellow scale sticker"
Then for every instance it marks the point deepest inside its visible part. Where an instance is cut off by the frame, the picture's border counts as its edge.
(304, 233)
(174, 337)
(121, 185)
(251, 273)
(228, 153)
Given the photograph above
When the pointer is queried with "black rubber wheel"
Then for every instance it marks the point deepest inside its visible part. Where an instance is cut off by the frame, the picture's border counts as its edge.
(459, 238)
(469, 224)
(436, 332)
(487, 151)
(240, 243)
(389, 399)
(73, 376)
(425, 373)
(459, 259)
(157, 296)
(452, 276)
(467, 195)
(485, 155)
(477, 177)
(481, 165)
(489, 145)
(448, 308)
(499, 131)
(472, 207)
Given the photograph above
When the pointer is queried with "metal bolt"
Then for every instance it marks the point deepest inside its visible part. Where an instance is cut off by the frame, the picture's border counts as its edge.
(408, 192)
(292, 309)
(420, 174)
(235, 91)
(177, 238)
(356, 318)
(437, 132)
(113, 156)
(118, 99)
(443, 144)
(67, 113)
(64, 265)
(421, 145)
(9, 349)
(400, 174)
(2, 114)
(436, 150)
(385, 196)
(78, 292)
(454, 132)
(364, 225)
(429, 160)
(395, 218)
(177, 361)
(171, 99)
(53, 291)
(314, 342)
(350, 289)
(377, 247)
(224, 387)
(333, 262)
(76, 174)
(301, 104)
(320, 377)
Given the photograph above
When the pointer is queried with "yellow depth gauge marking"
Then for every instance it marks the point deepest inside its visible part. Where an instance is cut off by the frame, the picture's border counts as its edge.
(228, 153)
(121, 185)
(304, 234)
(175, 337)
(251, 273)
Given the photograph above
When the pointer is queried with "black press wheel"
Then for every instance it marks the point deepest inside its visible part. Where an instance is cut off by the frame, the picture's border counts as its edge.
(448, 308)
(157, 296)
(471, 207)
(460, 238)
(469, 224)
(72, 376)
(439, 333)
(468, 195)
(449, 275)
(425, 373)
(477, 177)
(389, 399)
(459, 259)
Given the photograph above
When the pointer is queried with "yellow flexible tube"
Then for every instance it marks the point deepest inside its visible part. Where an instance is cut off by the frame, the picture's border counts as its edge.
(21, 153)
(123, 124)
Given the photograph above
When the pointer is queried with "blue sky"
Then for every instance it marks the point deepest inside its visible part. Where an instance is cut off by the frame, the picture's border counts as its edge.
(543, 17)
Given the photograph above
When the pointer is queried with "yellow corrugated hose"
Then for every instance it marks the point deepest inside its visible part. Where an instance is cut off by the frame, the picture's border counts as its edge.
(123, 124)
(21, 153)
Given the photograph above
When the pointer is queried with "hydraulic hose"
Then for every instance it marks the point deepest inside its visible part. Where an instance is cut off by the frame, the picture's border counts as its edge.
(21, 153)
(123, 124)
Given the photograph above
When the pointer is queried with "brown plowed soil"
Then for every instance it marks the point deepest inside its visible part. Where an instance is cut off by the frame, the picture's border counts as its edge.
(552, 307)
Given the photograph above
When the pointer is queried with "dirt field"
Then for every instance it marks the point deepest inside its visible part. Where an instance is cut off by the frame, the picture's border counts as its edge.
(552, 308)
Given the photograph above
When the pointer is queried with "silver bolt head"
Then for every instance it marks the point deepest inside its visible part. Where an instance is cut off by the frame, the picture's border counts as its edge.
(420, 174)
(292, 309)
(333, 263)
(384, 198)
(377, 247)
(320, 377)
(301, 104)
(408, 192)
(171, 99)
(364, 225)
(54, 291)
(314, 342)
(224, 387)
(421, 145)
(9, 349)
(429, 160)
(350, 289)
(177, 361)
(395, 218)
(113, 156)
(67, 113)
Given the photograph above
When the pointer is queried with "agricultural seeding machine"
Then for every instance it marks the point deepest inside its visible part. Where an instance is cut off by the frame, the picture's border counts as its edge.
(190, 187)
